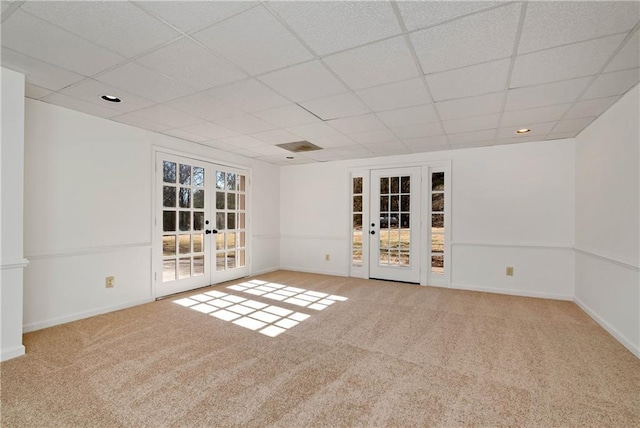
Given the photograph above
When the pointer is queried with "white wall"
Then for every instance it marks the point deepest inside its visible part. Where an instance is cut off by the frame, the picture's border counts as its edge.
(511, 206)
(12, 259)
(88, 212)
(608, 220)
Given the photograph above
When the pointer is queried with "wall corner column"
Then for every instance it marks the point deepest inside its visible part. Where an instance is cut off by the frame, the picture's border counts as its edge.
(12, 261)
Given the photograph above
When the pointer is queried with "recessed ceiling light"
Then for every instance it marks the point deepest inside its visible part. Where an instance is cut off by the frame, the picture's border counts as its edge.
(111, 98)
(523, 131)
(289, 157)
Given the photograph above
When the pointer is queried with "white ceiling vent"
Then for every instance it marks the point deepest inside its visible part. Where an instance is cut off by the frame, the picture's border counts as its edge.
(299, 146)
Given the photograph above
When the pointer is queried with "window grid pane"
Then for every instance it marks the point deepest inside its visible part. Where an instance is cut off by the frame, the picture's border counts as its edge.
(437, 244)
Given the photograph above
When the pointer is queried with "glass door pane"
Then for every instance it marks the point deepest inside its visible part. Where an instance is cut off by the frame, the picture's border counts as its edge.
(395, 221)
(183, 202)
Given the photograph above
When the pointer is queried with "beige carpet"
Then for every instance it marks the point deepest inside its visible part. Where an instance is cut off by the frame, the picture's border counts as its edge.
(390, 355)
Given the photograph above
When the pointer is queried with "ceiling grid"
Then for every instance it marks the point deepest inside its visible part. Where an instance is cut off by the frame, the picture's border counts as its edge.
(357, 78)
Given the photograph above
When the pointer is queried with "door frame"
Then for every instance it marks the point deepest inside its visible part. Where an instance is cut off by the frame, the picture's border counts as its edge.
(426, 278)
(156, 240)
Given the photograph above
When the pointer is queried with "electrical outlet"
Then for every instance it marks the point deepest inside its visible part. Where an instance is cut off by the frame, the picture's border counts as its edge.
(509, 271)
(327, 257)
(110, 281)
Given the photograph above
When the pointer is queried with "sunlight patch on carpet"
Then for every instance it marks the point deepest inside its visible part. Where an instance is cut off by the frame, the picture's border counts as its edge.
(257, 316)
(293, 295)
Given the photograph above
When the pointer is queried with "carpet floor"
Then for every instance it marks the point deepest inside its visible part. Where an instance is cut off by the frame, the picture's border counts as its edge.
(293, 352)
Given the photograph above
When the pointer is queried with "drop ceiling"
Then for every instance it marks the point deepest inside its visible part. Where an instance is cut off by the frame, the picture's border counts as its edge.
(358, 79)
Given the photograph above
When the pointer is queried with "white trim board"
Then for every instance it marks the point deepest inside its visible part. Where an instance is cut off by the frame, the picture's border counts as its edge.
(86, 251)
(319, 272)
(82, 315)
(625, 263)
(612, 331)
(13, 264)
(13, 352)
(523, 293)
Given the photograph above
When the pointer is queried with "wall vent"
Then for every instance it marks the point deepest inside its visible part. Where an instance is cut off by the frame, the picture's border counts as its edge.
(299, 146)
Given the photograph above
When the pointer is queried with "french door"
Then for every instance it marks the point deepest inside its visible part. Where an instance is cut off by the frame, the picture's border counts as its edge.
(394, 241)
(201, 222)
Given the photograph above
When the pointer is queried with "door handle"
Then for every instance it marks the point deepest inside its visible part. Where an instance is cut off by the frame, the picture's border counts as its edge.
(210, 231)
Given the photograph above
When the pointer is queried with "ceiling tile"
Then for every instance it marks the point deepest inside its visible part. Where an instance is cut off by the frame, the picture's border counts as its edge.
(91, 90)
(248, 95)
(167, 116)
(139, 122)
(560, 136)
(184, 135)
(471, 123)
(565, 62)
(420, 14)
(615, 83)
(217, 144)
(242, 142)
(337, 140)
(544, 95)
(268, 150)
(350, 152)
(471, 106)
(185, 60)
(516, 140)
(204, 106)
(336, 106)
(483, 136)
(35, 92)
(629, 55)
(520, 118)
(418, 131)
(538, 130)
(391, 148)
(245, 123)
(466, 82)
(144, 82)
(417, 145)
(367, 122)
(38, 39)
(289, 115)
(373, 137)
(590, 108)
(249, 153)
(409, 116)
(277, 136)
(37, 72)
(333, 26)
(556, 23)
(395, 95)
(382, 62)
(209, 130)
(255, 41)
(198, 14)
(323, 156)
(474, 39)
(315, 130)
(572, 125)
(116, 25)
(79, 105)
(304, 82)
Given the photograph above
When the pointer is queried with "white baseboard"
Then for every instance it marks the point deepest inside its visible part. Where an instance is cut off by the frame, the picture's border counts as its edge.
(321, 272)
(13, 352)
(81, 315)
(609, 328)
(523, 293)
(267, 270)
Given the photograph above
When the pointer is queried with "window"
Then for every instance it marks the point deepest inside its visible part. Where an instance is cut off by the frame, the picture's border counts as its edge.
(437, 222)
(356, 223)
